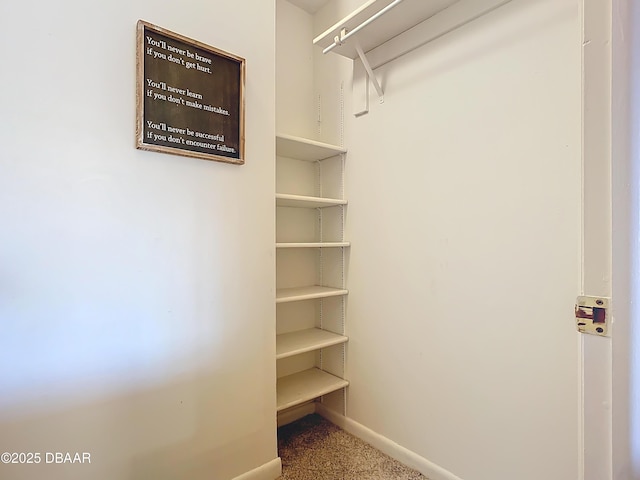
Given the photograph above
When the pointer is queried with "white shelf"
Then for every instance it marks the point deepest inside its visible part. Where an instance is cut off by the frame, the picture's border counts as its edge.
(400, 18)
(302, 201)
(305, 149)
(305, 386)
(294, 343)
(313, 245)
(297, 294)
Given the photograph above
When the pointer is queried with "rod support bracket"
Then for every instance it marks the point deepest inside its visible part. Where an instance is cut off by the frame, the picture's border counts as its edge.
(367, 67)
(339, 39)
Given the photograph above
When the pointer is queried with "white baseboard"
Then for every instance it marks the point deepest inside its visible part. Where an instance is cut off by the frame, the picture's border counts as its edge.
(389, 447)
(269, 471)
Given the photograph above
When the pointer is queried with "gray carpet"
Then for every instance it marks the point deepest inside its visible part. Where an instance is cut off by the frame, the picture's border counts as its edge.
(313, 448)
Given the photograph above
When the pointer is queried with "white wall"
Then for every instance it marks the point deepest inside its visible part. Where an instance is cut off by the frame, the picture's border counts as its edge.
(136, 288)
(464, 213)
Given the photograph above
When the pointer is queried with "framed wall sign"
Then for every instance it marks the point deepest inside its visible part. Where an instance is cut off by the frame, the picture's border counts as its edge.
(190, 97)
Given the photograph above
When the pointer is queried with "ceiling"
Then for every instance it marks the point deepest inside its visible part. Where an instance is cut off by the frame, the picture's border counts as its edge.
(311, 6)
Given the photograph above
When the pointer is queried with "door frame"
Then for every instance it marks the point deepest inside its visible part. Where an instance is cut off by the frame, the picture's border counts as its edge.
(625, 146)
(610, 223)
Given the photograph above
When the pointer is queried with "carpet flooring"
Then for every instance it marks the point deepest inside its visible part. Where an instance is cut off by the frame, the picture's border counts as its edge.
(313, 448)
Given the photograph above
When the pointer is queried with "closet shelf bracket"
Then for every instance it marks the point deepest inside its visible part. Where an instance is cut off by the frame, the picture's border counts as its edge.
(340, 39)
(370, 74)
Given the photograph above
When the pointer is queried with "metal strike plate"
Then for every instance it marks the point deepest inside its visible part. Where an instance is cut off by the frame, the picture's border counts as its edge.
(592, 315)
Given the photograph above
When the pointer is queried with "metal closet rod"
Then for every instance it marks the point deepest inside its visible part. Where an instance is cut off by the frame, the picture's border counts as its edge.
(339, 39)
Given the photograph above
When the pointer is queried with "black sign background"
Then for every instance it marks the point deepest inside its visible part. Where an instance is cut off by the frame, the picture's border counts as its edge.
(190, 97)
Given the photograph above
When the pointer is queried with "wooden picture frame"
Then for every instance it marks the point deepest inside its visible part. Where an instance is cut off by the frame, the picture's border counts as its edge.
(189, 97)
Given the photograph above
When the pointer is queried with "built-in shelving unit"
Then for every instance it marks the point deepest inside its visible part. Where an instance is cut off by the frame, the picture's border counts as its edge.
(310, 282)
